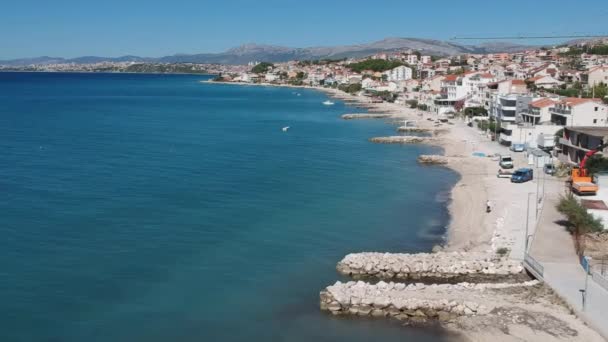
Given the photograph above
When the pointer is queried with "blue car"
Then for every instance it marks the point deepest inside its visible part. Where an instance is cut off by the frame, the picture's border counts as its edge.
(522, 176)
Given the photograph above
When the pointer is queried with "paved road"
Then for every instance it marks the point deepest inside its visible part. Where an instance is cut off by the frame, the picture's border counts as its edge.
(553, 247)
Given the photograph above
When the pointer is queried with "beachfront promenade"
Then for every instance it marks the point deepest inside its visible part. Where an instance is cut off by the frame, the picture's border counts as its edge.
(553, 248)
(549, 243)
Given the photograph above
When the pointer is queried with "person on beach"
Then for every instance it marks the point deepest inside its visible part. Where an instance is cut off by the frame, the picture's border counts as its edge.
(488, 206)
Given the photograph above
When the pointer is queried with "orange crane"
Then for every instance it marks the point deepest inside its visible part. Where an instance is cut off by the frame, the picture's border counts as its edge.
(580, 182)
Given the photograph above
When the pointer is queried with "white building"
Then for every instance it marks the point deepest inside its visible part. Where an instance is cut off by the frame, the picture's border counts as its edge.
(538, 111)
(400, 73)
(574, 111)
(412, 59)
(597, 75)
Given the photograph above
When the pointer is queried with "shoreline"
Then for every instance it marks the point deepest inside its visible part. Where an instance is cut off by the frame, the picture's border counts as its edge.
(472, 230)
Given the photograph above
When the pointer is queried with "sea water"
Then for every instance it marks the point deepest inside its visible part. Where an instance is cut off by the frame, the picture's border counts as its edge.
(159, 208)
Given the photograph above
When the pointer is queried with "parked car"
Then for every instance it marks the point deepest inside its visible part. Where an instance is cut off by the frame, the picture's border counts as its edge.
(506, 162)
(518, 147)
(549, 169)
(522, 175)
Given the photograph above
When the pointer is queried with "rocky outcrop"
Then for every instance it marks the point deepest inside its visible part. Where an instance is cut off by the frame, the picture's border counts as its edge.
(366, 116)
(441, 266)
(417, 302)
(432, 159)
(401, 140)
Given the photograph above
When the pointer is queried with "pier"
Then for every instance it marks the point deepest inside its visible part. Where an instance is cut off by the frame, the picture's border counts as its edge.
(366, 116)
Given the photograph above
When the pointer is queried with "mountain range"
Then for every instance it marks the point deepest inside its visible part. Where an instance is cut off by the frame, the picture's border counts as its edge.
(271, 53)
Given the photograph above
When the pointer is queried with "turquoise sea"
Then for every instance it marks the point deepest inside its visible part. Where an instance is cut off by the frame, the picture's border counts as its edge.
(157, 208)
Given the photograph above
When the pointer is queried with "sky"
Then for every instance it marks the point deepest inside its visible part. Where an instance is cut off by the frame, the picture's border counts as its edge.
(70, 28)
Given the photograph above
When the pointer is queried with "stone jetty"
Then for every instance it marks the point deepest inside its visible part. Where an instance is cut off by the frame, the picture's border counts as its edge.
(414, 129)
(415, 302)
(432, 159)
(398, 139)
(366, 116)
(440, 267)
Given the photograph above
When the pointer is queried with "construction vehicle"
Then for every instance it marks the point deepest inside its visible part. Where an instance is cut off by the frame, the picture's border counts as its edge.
(580, 181)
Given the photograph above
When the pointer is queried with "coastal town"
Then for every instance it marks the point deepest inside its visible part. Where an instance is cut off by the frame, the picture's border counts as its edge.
(525, 254)
(524, 259)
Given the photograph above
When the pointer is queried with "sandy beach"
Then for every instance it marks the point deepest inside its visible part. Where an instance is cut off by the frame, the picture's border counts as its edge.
(532, 316)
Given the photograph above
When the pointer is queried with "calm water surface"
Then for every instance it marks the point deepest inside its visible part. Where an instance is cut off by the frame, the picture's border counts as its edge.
(156, 208)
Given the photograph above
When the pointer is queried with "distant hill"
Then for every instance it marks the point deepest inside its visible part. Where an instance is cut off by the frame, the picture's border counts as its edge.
(271, 53)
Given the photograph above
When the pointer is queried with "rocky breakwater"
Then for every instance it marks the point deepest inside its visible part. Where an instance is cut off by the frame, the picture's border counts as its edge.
(439, 267)
(433, 159)
(415, 302)
(367, 116)
(398, 139)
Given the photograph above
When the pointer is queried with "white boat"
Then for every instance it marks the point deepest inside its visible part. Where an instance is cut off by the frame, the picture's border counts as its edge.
(328, 103)
(285, 128)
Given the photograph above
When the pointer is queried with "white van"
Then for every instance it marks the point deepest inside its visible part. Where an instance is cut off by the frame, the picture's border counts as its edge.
(506, 162)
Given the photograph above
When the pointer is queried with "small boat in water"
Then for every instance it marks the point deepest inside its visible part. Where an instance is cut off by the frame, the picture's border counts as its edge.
(285, 129)
(328, 103)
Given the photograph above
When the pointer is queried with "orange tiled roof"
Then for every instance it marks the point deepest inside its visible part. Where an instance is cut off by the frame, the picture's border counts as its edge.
(450, 78)
(575, 101)
(518, 82)
(541, 103)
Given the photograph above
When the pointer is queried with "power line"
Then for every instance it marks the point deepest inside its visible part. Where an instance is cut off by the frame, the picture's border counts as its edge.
(530, 37)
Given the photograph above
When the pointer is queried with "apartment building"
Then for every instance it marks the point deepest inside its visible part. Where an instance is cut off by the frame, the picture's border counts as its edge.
(574, 111)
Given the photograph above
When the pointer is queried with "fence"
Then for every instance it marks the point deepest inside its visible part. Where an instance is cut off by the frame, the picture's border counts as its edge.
(600, 279)
(533, 266)
(598, 276)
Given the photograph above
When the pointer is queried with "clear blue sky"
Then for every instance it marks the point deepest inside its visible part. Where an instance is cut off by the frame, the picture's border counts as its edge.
(69, 28)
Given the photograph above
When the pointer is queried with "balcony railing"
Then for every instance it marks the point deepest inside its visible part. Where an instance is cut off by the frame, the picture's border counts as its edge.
(560, 111)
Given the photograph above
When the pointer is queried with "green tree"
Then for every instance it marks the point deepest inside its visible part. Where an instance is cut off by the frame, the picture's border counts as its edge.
(475, 111)
(580, 221)
(262, 68)
(412, 103)
(376, 65)
(558, 135)
(597, 164)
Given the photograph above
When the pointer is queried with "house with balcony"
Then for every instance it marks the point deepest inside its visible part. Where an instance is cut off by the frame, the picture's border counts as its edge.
(400, 73)
(538, 112)
(576, 141)
(574, 111)
(452, 92)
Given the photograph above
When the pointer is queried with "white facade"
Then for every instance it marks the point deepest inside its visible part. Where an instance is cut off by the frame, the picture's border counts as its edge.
(597, 75)
(412, 59)
(400, 73)
(580, 112)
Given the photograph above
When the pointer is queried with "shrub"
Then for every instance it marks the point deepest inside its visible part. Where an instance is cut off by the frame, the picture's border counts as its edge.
(580, 221)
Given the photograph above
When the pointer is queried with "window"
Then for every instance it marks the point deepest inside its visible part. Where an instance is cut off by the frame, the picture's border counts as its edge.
(594, 120)
(596, 109)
